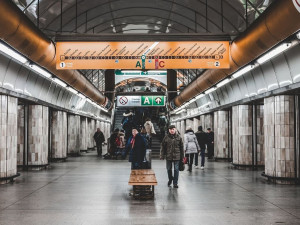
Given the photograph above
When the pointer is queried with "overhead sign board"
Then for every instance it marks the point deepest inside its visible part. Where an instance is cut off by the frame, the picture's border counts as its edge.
(141, 101)
(143, 55)
(159, 75)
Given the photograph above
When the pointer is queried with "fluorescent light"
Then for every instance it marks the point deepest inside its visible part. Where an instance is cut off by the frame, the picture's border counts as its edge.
(223, 82)
(242, 71)
(180, 111)
(298, 35)
(200, 96)
(90, 101)
(210, 90)
(274, 52)
(59, 82)
(12, 53)
(193, 100)
(81, 96)
(72, 90)
(40, 71)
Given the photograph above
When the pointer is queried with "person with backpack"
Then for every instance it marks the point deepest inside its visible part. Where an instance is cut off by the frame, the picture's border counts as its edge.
(127, 123)
(99, 139)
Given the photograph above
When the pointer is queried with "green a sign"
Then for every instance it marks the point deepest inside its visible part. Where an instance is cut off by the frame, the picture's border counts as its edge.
(147, 100)
(152, 100)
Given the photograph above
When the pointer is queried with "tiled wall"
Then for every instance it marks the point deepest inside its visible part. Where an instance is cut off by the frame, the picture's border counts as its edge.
(242, 134)
(279, 136)
(260, 135)
(38, 122)
(8, 136)
(83, 133)
(59, 134)
(221, 134)
(73, 134)
(20, 145)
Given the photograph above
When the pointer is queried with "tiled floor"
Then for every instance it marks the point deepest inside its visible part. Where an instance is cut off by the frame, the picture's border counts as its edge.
(89, 190)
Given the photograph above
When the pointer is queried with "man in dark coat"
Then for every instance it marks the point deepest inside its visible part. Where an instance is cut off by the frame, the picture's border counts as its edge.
(99, 139)
(136, 146)
(172, 150)
(210, 143)
(202, 141)
(112, 142)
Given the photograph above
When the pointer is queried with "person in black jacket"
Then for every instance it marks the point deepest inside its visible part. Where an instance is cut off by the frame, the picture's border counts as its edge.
(202, 141)
(210, 143)
(99, 139)
(136, 146)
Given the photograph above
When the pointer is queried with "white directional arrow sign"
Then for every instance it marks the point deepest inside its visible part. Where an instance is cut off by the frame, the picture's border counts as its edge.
(158, 100)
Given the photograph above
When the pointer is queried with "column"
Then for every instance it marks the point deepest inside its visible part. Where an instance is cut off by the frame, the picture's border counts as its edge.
(196, 123)
(260, 154)
(221, 134)
(178, 127)
(182, 128)
(88, 138)
(279, 138)
(73, 135)
(59, 136)
(83, 133)
(202, 121)
(21, 134)
(8, 137)
(91, 133)
(208, 122)
(189, 123)
(38, 134)
(242, 135)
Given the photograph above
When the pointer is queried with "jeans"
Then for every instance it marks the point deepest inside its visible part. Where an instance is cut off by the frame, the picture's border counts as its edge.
(202, 152)
(190, 160)
(196, 159)
(176, 171)
(99, 149)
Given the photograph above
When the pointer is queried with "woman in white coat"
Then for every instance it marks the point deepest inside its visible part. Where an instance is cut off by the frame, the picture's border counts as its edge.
(191, 146)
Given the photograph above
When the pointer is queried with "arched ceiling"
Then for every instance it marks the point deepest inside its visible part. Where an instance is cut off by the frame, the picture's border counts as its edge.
(144, 17)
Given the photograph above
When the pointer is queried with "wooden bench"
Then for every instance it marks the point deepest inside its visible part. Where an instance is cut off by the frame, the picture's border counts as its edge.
(143, 182)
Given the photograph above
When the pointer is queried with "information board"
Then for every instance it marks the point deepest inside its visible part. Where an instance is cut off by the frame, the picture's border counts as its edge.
(143, 55)
(141, 101)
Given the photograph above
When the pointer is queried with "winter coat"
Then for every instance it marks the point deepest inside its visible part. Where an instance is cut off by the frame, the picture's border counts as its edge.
(210, 137)
(190, 143)
(99, 138)
(122, 140)
(112, 140)
(138, 152)
(149, 128)
(172, 147)
(201, 138)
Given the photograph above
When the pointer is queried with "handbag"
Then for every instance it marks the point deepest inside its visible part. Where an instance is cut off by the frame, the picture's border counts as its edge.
(185, 160)
(181, 165)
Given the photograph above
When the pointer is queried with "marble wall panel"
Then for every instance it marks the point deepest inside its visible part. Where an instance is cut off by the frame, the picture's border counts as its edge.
(8, 136)
(260, 135)
(21, 133)
(178, 126)
(38, 134)
(242, 134)
(59, 134)
(196, 123)
(279, 136)
(83, 133)
(73, 134)
(221, 134)
(189, 123)
(182, 128)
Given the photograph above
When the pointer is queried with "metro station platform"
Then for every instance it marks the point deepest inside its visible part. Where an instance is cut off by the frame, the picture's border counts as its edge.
(90, 190)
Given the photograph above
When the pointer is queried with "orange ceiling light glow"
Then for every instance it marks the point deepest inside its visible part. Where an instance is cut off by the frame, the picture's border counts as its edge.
(143, 55)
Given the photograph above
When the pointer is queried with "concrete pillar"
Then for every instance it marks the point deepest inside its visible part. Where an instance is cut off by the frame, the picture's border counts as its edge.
(59, 135)
(189, 123)
(8, 137)
(208, 121)
(89, 129)
(196, 123)
(21, 134)
(182, 128)
(242, 135)
(91, 133)
(178, 126)
(73, 134)
(202, 121)
(221, 134)
(279, 137)
(260, 154)
(38, 135)
(83, 133)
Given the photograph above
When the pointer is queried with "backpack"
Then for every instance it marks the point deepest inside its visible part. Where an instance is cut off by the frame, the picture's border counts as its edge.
(118, 141)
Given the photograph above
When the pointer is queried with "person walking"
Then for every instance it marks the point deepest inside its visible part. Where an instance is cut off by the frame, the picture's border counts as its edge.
(150, 130)
(210, 143)
(172, 151)
(202, 140)
(136, 146)
(99, 139)
(191, 146)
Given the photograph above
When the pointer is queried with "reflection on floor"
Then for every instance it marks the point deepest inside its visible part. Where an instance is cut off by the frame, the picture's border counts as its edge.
(89, 190)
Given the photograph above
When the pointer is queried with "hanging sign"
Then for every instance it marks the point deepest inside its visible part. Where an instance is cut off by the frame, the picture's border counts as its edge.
(141, 101)
(143, 55)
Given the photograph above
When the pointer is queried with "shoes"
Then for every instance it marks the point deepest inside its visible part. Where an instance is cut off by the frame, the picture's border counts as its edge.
(175, 186)
(202, 167)
(169, 183)
(196, 167)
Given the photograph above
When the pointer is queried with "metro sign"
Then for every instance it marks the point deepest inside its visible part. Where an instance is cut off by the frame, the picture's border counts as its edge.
(143, 101)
